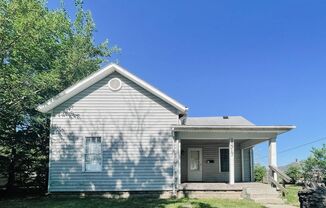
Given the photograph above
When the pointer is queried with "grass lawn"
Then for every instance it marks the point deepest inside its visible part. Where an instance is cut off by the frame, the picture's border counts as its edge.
(292, 196)
(70, 202)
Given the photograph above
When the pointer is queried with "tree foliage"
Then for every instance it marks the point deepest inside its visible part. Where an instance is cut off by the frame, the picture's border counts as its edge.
(259, 172)
(314, 167)
(294, 171)
(42, 52)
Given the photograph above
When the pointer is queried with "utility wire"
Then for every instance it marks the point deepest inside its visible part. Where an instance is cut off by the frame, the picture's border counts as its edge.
(297, 147)
(301, 145)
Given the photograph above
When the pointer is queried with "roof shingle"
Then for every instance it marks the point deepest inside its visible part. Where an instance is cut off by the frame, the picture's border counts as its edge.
(217, 121)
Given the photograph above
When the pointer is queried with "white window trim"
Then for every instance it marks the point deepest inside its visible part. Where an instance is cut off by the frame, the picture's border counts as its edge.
(84, 155)
(219, 157)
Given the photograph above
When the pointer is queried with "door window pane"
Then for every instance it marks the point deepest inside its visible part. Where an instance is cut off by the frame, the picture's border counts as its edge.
(194, 160)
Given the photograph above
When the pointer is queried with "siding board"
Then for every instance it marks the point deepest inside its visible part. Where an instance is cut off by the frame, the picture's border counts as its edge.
(135, 127)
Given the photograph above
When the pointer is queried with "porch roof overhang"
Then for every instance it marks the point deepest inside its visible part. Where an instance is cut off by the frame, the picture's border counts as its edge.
(232, 128)
(248, 132)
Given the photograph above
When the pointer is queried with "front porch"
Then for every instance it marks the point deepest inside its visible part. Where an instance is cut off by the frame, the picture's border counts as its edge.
(221, 154)
(208, 160)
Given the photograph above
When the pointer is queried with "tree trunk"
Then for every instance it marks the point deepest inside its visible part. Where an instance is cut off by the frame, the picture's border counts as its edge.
(11, 171)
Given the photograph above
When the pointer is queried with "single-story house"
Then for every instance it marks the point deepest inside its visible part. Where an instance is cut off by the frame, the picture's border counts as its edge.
(112, 131)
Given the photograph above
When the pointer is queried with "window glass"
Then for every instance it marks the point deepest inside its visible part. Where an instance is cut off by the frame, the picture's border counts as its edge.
(93, 154)
(194, 160)
(224, 159)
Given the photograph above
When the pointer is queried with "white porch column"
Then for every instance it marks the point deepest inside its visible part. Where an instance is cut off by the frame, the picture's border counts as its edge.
(179, 163)
(272, 156)
(231, 161)
(252, 164)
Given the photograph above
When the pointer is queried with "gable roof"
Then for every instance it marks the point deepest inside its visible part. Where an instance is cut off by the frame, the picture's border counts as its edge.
(217, 121)
(97, 76)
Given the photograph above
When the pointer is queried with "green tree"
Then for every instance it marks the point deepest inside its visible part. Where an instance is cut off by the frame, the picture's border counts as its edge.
(315, 164)
(42, 51)
(294, 171)
(259, 172)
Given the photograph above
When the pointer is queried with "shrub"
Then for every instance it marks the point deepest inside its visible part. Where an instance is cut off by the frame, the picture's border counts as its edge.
(294, 172)
(260, 172)
(314, 167)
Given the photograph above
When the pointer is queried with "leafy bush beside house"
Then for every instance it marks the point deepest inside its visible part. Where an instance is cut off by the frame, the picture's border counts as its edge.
(314, 168)
(294, 171)
(259, 172)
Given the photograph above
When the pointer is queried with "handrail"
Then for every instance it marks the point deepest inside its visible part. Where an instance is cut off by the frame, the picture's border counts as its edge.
(279, 186)
(285, 177)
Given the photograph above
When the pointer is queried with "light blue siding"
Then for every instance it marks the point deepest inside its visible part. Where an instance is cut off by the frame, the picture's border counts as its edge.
(135, 127)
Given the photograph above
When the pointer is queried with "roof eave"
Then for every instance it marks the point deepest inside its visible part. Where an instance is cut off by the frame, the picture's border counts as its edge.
(98, 75)
(275, 129)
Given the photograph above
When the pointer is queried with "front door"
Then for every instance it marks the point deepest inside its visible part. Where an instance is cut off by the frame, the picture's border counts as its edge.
(194, 164)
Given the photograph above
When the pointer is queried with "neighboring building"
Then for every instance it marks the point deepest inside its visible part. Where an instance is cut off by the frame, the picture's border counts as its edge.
(114, 132)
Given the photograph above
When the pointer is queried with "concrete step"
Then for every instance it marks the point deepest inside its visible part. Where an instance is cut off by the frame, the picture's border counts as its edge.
(264, 201)
(263, 195)
(210, 194)
(262, 190)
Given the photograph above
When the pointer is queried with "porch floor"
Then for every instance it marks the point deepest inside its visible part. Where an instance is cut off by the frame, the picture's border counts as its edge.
(197, 186)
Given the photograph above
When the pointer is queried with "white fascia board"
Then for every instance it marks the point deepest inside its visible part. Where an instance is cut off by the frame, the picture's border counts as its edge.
(74, 90)
(97, 76)
(271, 129)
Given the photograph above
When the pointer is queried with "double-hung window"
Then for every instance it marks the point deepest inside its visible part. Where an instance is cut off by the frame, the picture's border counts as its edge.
(224, 159)
(93, 154)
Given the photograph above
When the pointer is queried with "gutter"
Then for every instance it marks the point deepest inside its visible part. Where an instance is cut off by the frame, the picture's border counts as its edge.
(223, 128)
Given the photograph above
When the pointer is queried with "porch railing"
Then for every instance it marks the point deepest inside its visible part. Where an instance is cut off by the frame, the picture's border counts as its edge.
(281, 175)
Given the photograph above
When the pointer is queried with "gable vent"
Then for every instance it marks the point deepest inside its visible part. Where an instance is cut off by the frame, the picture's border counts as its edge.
(225, 117)
(115, 84)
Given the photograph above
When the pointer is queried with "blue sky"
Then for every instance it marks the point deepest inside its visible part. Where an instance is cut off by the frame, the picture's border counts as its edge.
(264, 60)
